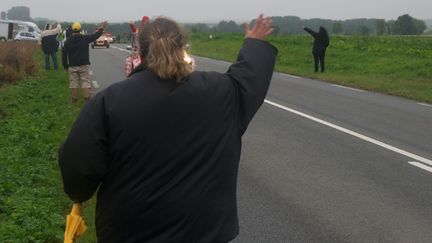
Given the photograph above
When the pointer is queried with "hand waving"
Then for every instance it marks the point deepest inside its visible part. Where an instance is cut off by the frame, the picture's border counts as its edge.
(262, 28)
(103, 25)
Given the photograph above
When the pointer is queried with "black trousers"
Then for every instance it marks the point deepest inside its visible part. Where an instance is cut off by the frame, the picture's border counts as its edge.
(319, 60)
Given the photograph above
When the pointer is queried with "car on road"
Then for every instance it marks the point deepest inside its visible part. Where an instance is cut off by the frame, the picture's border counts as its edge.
(103, 40)
(26, 36)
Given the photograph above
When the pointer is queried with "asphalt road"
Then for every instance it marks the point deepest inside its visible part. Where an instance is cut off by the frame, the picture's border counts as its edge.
(325, 163)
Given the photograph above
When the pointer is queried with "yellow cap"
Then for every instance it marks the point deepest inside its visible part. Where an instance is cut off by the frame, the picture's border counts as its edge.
(76, 26)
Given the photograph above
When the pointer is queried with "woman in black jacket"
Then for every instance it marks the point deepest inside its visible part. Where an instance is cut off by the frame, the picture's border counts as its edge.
(162, 147)
(320, 44)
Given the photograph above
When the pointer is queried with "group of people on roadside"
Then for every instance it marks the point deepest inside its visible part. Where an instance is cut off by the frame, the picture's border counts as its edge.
(75, 53)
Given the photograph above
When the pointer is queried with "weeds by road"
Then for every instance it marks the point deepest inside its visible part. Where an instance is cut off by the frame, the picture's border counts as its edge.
(16, 61)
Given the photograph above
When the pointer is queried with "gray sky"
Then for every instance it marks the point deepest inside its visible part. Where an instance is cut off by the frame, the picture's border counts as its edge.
(216, 10)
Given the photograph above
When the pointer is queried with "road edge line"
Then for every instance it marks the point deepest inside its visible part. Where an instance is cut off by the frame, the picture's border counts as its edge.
(352, 133)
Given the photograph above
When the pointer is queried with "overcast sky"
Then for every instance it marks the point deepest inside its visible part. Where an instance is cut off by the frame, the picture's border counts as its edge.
(216, 10)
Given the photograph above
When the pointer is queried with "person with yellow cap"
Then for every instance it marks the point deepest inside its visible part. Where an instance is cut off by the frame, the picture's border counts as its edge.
(75, 57)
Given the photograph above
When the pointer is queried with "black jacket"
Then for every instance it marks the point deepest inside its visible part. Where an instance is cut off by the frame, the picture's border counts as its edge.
(49, 44)
(321, 41)
(165, 156)
(69, 32)
(75, 51)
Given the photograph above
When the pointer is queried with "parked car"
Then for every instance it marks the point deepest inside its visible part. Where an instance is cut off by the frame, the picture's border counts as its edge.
(26, 36)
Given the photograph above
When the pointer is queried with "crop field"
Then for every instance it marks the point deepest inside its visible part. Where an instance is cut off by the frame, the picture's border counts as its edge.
(396, 65)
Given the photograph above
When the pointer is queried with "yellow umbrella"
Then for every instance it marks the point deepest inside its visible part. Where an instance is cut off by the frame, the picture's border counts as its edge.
(75, 225)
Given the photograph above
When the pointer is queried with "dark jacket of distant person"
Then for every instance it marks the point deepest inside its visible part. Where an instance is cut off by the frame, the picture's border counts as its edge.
(49, 39)
(321, 40)
(75, 51)
(69, 32)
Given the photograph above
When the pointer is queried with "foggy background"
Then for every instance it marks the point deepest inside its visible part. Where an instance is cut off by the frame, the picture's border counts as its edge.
(214, 11)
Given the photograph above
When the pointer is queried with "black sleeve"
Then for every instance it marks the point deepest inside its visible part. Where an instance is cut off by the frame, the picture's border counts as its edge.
(65, 55)
(83, 157)
(311, 32)
(251, 76)
(93, 37)
(43, 43)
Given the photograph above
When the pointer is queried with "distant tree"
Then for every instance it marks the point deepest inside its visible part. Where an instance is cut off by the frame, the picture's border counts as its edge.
(3, 15)
(337, 27)
(420, 26)
(200, 27)
(349, 31)
(380, 25)
(228, 26)
(407, 25)
(390, 27)
(194, 29)
(276, 30)
(19, 13)
(364, 30)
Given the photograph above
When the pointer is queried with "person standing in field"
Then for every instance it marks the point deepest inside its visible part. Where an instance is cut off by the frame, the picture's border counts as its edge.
(320, 44)
(50, 44)
(162, 148)
(75, 56)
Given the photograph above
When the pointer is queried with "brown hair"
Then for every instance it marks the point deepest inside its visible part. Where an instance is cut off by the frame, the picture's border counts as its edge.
(162, 45)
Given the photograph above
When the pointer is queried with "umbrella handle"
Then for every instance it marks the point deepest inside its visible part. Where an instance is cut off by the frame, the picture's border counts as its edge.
(76, 209)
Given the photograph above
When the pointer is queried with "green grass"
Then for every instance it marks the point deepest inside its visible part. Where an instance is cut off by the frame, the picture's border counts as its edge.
(396, 65)
(36, 115)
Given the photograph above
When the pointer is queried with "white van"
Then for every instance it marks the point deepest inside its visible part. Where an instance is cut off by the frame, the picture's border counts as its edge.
(10, 28)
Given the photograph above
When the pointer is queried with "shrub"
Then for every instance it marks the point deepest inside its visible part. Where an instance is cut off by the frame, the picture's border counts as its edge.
(16, 61)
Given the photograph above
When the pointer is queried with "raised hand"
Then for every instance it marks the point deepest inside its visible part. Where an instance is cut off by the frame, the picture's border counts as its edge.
(261, 29)
(103, 25)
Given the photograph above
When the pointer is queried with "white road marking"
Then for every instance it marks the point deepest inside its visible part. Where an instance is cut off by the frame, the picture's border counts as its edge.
(215, 60)
(355, 134)
(289, 75)
(423, 104)
(95, 84)
(121, 49)
(343, 87)
(421, 166)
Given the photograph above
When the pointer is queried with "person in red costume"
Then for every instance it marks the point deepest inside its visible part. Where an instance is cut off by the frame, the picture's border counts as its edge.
(134, 59)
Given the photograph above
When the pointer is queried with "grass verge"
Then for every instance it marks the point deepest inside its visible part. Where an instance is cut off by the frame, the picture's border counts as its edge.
(36, 115)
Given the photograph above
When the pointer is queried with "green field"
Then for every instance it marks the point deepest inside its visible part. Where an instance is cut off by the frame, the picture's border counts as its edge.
(396, 65)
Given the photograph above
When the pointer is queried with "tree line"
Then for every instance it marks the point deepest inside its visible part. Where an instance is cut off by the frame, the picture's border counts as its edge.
(403, 25)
